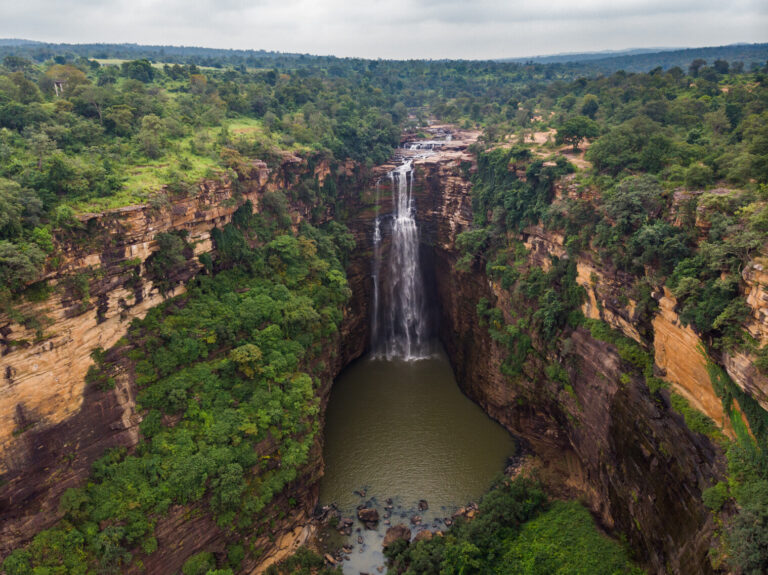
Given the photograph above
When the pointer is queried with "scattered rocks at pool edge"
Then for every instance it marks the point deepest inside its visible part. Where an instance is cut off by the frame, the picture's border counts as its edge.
(369, 517)
(469, 512)
(395, 533)
(423, 505)
(345, 526)
(416, 520)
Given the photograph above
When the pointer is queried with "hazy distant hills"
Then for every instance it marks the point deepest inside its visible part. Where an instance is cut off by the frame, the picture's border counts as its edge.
(215, 57)
(645, 59)
(631, 60)
(566, 57)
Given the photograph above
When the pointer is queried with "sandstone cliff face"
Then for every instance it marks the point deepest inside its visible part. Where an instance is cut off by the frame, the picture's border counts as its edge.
(740, 366)
(634, 462)
(44, 374)
(53, 426)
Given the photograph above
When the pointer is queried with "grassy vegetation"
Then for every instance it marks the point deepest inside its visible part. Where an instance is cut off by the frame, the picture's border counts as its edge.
(563, 540)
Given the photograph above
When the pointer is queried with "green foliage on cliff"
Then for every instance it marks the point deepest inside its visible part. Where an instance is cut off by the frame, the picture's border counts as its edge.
(517, 530)
(744, 537)
(223, 372)
(169, 259)
(672, 194)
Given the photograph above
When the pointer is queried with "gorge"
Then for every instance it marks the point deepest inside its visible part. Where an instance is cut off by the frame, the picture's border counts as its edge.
(635, 464)
(301, 315)
(398, 431)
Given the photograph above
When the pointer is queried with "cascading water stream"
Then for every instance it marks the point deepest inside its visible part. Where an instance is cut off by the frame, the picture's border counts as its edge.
(376, 268)
(401, 331)
(421, 443)
(405, 330)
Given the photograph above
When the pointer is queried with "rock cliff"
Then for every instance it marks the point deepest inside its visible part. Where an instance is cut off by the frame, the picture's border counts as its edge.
(607, 441)
(53, 425)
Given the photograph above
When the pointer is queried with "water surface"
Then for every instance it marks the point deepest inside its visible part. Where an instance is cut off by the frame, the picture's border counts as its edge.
(403, 430)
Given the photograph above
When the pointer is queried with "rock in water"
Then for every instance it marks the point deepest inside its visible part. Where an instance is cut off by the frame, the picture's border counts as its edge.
(423, 505)
(395, 533)
(367, 514)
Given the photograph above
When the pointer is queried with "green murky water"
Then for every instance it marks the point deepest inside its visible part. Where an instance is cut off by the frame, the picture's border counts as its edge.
(403, 430)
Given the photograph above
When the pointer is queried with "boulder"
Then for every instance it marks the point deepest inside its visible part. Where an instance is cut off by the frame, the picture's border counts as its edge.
(397, 532)
(423, 505)
(425, 535)
(368, 515)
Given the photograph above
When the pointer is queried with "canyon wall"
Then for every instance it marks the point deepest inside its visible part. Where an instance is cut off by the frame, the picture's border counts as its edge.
(53, 425)
(606, 440)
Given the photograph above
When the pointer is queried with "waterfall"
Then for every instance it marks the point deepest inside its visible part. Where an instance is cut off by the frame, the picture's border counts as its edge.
(376, 267)
(399, 322)
(401, 330)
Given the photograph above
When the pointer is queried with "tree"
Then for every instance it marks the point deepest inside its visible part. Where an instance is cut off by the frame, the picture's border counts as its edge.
(140, 70)
(590, 105)
(721, 66)
(574, 130)
(698, 176)
(164, 266)
(151, 136)
(695, 66)
(67, 77)
(10, 209)
(20, 265)
(248, 359)
(635, 200)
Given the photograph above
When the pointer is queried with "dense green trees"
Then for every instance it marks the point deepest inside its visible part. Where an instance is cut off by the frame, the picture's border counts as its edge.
(516, 531)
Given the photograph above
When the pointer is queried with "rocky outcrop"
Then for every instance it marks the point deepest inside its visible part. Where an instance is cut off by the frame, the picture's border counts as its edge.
(680, 355)
(741, 365)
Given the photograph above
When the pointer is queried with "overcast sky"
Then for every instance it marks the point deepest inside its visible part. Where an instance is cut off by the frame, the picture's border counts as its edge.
(393, 28)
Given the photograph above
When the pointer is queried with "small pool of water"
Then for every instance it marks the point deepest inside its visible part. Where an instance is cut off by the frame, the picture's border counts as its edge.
(404, 431)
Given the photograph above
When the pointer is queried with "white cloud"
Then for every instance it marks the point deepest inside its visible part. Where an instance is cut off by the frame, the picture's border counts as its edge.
(393, 28)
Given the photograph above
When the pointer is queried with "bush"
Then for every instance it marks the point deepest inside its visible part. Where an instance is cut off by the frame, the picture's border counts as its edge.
(698, 176)
(199, 564)
(715, 497)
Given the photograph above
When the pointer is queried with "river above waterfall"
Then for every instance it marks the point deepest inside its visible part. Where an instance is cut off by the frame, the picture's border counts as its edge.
(403, 430)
